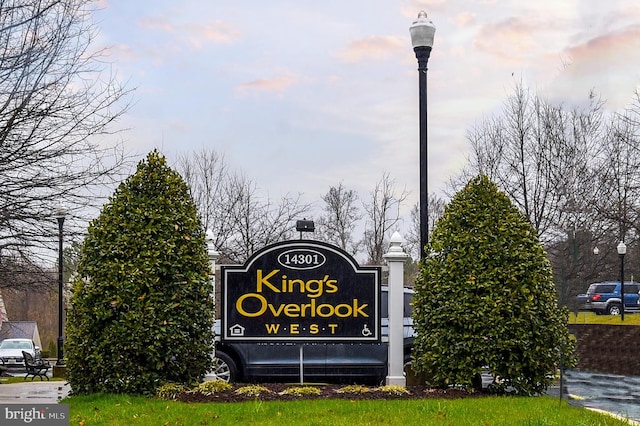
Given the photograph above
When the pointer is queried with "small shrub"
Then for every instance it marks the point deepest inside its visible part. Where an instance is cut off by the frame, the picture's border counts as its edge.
(212, 386)
(393, 390)
(300, 391)
(171, 390)
(355, 389)
(253, 391)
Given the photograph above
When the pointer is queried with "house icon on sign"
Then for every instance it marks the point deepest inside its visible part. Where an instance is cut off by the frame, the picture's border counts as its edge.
(236, 330)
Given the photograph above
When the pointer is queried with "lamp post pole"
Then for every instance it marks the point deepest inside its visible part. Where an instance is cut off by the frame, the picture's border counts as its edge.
(60, 215)
(422, 32)
(622, 250)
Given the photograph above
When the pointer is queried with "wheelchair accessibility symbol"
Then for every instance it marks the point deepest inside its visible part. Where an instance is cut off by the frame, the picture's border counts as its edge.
(366, 332)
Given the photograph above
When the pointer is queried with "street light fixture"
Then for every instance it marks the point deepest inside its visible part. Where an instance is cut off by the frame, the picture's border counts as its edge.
(422, 32)
(622, 250)
(305, 225)
(60, 214)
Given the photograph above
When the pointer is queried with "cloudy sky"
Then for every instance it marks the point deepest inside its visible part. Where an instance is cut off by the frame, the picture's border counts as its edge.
(301, 95)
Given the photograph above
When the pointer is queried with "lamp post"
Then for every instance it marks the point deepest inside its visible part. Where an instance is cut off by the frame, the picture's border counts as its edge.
(622, 250)
(60, 214)
(422, 32)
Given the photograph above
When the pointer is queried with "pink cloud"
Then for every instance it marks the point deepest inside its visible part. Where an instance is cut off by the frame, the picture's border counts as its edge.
(599, 51)
(511, 39)
(195, 35)
(218, 32)
(373, 47)
(121, 52)
(464, 19)
(158, 24)
(272, 85)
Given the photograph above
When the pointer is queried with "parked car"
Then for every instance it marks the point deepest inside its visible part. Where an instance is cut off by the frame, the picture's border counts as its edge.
(323, 362)
(581, 302)
(11, 352)
(605, 298)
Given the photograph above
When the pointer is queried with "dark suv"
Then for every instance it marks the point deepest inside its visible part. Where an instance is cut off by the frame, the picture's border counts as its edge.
(323, 362)
(605, 298)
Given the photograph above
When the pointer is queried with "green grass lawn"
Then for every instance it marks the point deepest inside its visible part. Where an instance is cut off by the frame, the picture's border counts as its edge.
(133, 410)
(494, 411)
(592, 318)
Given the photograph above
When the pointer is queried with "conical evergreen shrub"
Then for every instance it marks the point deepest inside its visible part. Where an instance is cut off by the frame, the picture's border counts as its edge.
(485, 298)
(141, 312)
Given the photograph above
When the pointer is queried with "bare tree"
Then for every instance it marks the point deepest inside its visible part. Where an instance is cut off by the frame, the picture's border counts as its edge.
(340, 217)
(213, 189)
(619, 181)
(618, 186)
(56, 99)
(229, 203)
(539, 154)
(574, 174)
(257, 221)
(382, 215)
(436, 210)
(19, 274)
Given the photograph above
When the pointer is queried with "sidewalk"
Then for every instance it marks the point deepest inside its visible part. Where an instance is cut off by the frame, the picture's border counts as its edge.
(33, 392)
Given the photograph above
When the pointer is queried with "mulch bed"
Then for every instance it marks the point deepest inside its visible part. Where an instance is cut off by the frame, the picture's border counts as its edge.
(326, 392)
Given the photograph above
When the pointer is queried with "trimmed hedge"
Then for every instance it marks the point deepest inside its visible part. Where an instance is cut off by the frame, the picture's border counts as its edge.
(141, 312)
(485, 297)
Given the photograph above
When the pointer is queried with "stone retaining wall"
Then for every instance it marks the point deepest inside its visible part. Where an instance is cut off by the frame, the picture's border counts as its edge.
(613, 349)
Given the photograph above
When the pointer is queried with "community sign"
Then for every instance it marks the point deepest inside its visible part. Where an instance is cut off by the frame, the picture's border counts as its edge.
(300, 291)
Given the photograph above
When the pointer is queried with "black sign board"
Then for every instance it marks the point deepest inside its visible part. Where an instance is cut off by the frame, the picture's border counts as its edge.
(300, 291)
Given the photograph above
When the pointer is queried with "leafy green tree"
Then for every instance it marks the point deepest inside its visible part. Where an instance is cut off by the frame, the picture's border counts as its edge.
(485, 298)
(141, 312)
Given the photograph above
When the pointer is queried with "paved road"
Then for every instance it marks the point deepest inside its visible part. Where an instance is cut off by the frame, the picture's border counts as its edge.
(615, 394)
(36, 392)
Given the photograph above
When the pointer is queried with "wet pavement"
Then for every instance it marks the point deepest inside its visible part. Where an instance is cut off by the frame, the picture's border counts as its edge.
(33, 392)
(619, 395)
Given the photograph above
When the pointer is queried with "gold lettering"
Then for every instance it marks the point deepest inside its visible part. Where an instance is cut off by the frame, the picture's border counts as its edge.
(325, 310)
(274, 311)
(263, 281)
(292, 283)
(294, 328)
(240, 307)
(310, 306)
(314, 287)
(359, 310)
(331, 285)
(292, 310)
(342, 307)
(272, 328)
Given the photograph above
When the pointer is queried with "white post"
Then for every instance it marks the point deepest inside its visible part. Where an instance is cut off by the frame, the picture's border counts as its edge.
(396, 258)
(213, 256)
